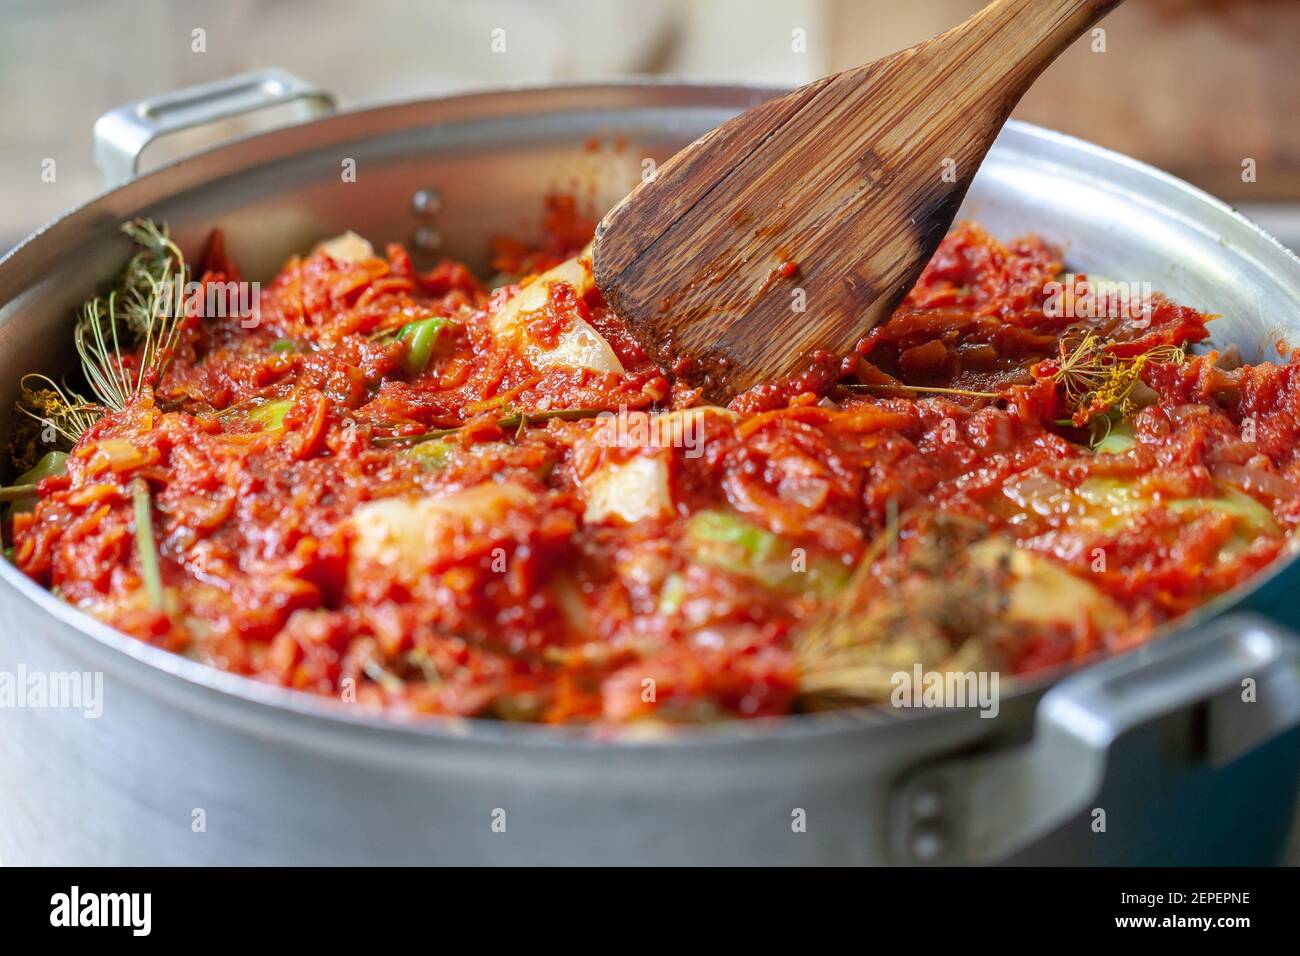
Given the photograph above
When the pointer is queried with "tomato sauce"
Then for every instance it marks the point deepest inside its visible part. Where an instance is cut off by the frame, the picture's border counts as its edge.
(544, 570)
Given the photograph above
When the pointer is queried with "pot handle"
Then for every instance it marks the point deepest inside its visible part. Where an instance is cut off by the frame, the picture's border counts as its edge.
(122, 134)
(1242, 671)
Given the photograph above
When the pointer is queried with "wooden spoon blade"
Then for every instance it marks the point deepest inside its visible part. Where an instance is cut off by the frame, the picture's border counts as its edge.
(785, 232)
(793, 228)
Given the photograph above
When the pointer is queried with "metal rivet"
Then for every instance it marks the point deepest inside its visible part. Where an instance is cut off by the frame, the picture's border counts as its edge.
(426, 202)
(927, 844)
(927, 804)
(426, 239)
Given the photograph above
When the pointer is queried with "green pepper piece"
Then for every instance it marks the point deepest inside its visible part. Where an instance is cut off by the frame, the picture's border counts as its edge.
(421, 338)
(730, 543)
(727, 542)
(284, 345)
(271, 414)
(52, 463)
(1118, 440)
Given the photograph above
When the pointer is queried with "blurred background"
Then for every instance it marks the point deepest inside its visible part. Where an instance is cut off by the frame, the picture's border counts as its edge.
(1197, 87)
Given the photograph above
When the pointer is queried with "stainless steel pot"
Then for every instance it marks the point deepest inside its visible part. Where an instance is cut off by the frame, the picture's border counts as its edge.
(1153, 757)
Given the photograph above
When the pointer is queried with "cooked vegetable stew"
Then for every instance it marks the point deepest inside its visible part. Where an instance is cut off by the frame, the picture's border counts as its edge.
(426, 492)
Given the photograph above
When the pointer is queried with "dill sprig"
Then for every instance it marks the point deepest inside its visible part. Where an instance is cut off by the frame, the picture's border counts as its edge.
(1096, 383)
(55, 405)
(52, 417)
(142, 315)
(918, 600)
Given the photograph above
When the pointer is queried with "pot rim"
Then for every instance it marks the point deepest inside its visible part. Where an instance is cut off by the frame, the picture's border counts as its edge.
(185, 678)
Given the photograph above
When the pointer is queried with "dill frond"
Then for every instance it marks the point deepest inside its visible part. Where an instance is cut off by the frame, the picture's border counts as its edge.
(53, 418)
(1097, 384)
(909, 601)
(125, 341)
(144, 313)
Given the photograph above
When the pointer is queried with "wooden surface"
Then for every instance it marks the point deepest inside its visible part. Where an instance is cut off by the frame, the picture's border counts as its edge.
(852, 179)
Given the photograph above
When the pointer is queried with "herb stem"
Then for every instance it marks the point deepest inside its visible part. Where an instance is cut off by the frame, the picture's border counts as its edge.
(145, 543)
(518, 422)
(856, 386)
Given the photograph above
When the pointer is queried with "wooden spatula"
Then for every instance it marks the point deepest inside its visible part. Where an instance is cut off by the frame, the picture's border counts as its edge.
(793, 228)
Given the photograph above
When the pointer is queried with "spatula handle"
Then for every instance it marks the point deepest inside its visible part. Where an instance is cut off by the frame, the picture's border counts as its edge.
(1017, 39)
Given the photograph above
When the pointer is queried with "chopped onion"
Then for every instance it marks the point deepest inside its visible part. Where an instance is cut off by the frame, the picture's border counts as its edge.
(1036, 492)
(1254, 480)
